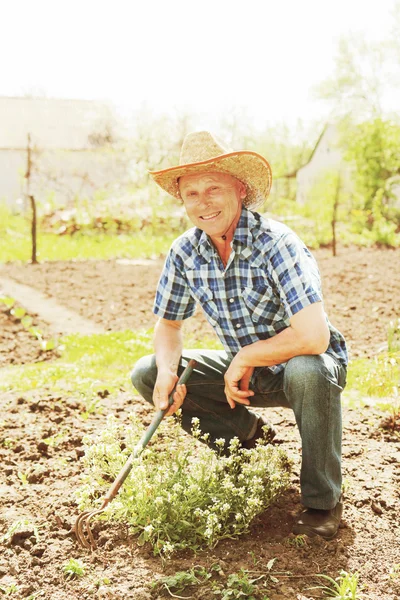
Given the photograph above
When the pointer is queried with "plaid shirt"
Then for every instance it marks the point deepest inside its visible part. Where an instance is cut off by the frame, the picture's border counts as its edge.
(269, 277)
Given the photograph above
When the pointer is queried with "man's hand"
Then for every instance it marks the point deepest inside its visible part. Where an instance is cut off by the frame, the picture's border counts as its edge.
(237, 380)
(165, 383)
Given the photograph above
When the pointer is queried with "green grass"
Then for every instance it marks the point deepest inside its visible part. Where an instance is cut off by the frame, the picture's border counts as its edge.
(377, 377)
(88, 364)
(16, 245)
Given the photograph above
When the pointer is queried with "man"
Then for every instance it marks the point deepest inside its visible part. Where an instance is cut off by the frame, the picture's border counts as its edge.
(259, 287)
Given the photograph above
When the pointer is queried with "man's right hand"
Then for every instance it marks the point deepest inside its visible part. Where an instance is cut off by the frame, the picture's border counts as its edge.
(165, 383)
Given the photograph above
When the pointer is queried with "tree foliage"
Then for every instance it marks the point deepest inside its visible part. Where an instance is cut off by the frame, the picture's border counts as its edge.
(373, 149)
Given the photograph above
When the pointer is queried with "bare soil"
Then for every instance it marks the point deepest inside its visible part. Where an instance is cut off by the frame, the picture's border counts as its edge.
(361, 289)
(38, 479)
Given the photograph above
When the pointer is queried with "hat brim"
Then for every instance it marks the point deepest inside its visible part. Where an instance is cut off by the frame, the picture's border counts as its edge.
(249, 167)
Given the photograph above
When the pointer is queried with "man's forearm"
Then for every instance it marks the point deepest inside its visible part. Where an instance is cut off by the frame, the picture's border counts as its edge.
(168, 346)
(278, 349)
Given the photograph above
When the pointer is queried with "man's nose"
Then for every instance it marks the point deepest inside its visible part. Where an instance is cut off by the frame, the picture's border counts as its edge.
(204, 200)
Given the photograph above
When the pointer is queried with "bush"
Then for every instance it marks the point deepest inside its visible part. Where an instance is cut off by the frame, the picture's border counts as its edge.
(183, 495)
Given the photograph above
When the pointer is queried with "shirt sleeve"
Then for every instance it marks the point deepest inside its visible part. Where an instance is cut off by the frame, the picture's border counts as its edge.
(295, 274)
(173, 300)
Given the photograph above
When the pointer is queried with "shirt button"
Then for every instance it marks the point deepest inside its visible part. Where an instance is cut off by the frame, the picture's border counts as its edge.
(237, 325)
(231, 300)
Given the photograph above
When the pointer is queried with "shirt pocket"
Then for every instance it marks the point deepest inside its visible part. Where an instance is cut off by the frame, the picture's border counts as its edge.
(262, 303)
(205, 298)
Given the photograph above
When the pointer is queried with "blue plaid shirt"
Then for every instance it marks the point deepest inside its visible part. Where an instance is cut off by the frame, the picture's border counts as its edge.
(269, 277)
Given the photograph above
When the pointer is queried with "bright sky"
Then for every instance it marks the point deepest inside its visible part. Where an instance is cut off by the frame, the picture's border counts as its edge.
(207, 57)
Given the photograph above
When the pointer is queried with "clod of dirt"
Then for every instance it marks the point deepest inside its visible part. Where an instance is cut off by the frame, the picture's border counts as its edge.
(43, 447)
(377, 508)
(37, 475)
(18, 538)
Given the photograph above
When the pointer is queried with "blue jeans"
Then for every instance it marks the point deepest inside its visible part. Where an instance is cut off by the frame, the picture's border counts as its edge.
(310, 385)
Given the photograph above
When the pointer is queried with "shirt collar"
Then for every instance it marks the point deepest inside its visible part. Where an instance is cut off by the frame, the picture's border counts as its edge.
(242, 238)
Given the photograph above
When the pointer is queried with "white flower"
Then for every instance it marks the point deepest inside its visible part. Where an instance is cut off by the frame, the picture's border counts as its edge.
(168, 549)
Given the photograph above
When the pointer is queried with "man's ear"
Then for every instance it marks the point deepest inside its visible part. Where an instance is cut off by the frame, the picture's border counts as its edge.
(242, 190)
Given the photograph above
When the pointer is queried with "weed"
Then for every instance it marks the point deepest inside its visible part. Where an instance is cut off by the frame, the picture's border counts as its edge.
(298, 541)
(20, 525)
(26, 321)
(239, 586)
(9, 590)
(7, 301)
(375, 377)
(344, 587)
(178, 582)
(8, 442)
(394, 572)
(183, 495)
(394, 336)
(73, 569)
(54, 440)
(23, 478)
(93, 406)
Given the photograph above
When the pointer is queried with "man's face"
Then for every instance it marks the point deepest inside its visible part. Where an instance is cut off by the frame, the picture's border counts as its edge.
(212, 200)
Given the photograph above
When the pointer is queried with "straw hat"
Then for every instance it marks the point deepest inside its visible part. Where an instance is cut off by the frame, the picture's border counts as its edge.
(203, 153)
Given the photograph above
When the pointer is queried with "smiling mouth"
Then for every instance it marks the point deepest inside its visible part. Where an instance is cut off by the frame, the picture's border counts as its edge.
(209, 217)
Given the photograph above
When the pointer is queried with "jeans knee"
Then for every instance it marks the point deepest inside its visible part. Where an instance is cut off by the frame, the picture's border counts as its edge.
(144, 375)
(303, 372)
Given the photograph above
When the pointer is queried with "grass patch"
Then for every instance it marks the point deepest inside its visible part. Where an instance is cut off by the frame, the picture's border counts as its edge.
(89, 364)
(16, 245)
(376, 377)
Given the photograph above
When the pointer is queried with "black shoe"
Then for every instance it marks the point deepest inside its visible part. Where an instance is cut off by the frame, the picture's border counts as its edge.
(264, 431)
(324, 523)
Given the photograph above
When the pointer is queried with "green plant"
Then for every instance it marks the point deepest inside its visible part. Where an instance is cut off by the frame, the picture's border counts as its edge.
(7, 301)
(298, 541)
(73, 568)
(26, 320)
(23, 478)
(17, 526)
(394, 571)
(177, 583)
(394, 336)
(375, 377)
(239, 585)
(182, 495)
(10, 589)
(344, 587)
(54, 440)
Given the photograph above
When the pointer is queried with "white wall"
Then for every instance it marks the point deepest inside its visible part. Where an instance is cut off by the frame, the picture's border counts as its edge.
(327, 156)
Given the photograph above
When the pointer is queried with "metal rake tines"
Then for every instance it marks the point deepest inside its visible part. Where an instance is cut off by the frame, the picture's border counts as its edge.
(82, 529)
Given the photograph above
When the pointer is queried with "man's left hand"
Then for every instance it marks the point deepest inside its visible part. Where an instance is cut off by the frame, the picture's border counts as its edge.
(237, 380)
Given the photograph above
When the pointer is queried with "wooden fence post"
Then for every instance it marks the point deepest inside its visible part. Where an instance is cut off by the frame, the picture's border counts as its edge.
(32, 201)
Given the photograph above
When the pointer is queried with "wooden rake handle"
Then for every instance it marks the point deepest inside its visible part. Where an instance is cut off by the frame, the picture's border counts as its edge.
(148, 434)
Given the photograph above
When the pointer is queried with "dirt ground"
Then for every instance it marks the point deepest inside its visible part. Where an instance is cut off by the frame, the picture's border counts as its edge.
(361, 290)
(38, 479)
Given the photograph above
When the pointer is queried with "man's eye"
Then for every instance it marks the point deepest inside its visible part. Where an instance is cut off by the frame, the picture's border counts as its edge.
(214, 188)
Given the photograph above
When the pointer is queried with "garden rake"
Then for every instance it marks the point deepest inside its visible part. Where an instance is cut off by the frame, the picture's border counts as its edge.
(82, 525)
